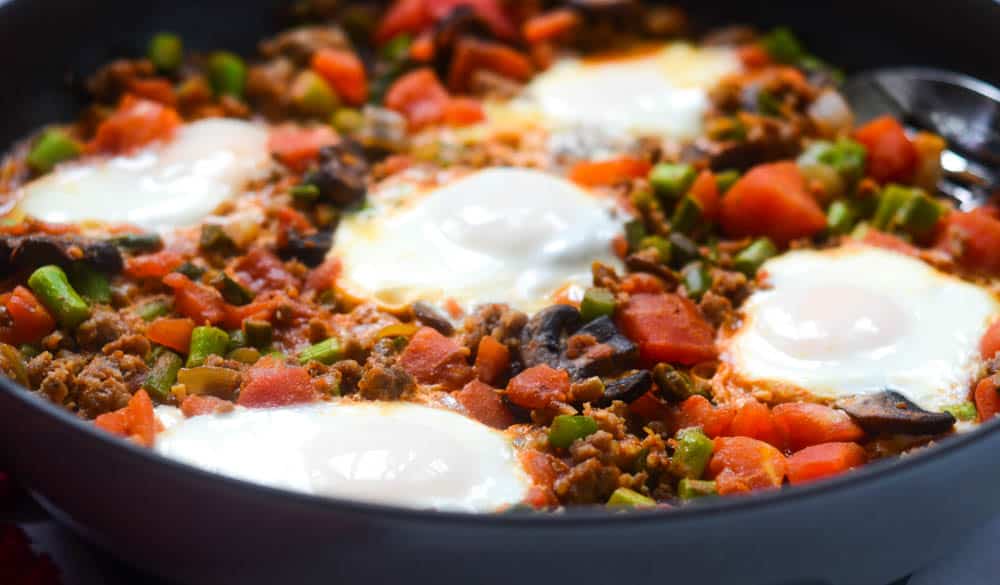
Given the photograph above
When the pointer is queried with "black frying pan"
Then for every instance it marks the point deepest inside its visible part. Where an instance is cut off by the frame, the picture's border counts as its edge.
(869, 527)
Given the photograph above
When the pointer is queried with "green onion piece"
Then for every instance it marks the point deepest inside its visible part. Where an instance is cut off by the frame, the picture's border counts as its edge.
(227, 73)
(397, 49)
(214, 239)
(312, 95)
(687, 215)
(246, 355)
(658, 243)
(237, 339)
(94, 286)
(347, 120)
(847, 157)
(52, 148)
(692, 453)
(206, 341)
(163, 375)
(682, 250)
(166, 51)
(890, 200)
(152, 310)
(232, 291)
(674, 384)
(324, 352)
(214, 380)
(965, 411)
(919, 215)
(840, 218)
(138, 242)
(697, 280)
(597, 302)
(259, 333)
(672, 180)
(750, 258)
(690, 489)
(635, 231)
(782, 46)
(726, 179)
(305, 192)
(567, 428)
(13, 364)
(191, 270)
(626, 498)
(55, 292)
(828, 178)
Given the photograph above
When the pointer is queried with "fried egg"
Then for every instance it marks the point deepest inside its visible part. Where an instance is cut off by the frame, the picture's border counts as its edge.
(857, 320)
(505, 235)
(663, 91)
(169, 185)
(387, 453)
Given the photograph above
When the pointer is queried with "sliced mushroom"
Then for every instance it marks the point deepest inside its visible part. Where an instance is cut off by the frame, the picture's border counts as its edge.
(31, 252)
(627, 388)
(341, 174)
(308, 249)
(431, 317)
(544, 341)
(602, 363)
(890, 412)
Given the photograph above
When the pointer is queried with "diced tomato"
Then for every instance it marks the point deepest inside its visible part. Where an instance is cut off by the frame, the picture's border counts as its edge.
(136, 421)
(803, 424)
(550, 25)
(538, 387)
(463, 112)
(483, 403)
(973, 239)
(492, 360)
(419, 96)
(261, 309)
(296, 147)
(271, 382)
(754, 420)
(30, 319)
(415, 16)
(825, 460)
(473, 55)
(404, 16)
(641, 282)
(197, 405)
(172, 333)
(195, 300)
(432, 358)
(706, 192)
(697, 411)
(989, 345)
(754, 56)
(740, 464)
(344, 71)
(543, 470)
(880, 239)
(422, 48)
(260, 271)
(156, 265)
(609, 171)
(323, 276)
(987, 399)
(771, 200)
(649, 407)
(135, 123)
(891, 154)
(667, 328)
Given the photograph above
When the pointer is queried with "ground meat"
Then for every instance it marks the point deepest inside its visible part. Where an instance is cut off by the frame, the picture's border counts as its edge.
(54, 377)
(133, 344)
(587, 482)
(107, 383)
(730, 284)
(300, 43)
(496, 320)
(104, 326)
(716, 308)
(114, 78)
(350, 375)
(382, 378)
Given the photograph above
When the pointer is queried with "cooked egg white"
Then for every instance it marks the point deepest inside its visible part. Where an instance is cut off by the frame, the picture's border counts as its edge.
(857, 320)
(507, 235)
(388, 453)
(662, 92)
(164, 186)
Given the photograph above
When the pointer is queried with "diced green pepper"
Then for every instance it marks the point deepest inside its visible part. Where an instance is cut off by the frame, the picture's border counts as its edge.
(919, 215)
(305, 192)
(687, 215)
(783, 46)
(567, 428)
(847, 157)
(750, 258)
(191, 270)
(227, 73)
(658, 243)
(166, 51)
(214, 380)
(726, 179)
(597, 302)
(674, 384)
(138, 242)
(312, 95)
(690, 489)
(324, 352)
(890, 200)
(237, 339)
(682, 249)
(54, 147)
(965, 411)
(692, 453)
(259, 333)
(206, 341)
(91, 284)
(643, 199)
(672, 180)
(347, 120)
(840, 218)
(215, 239)
(53, 289)
(246, 355)
(697, 280)
(397, 48)
(625, 498)
(827, 177)
(152, 310)
(163, 375)
(635, 231)
(232, 291)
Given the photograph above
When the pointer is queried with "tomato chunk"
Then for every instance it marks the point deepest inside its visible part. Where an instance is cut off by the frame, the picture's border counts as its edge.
(415, 16)
(771, 200)
(667, 328)
(741, 464)
(891, 154)
(608, 172)
(697, 411)
(473, 55)
(432, 358)
(483, 403)
(824, 460)
(344, 71)
(136, 123)
(754, 420)
(196, 300)
(973, 239)
(880, 239)
(260, 271)
(273, 383)
(543, 470)
(197, 405)
(136, 421)
(803, 424)
(463, 112)
(31, 320)
(492, 360)
(705, 190)
(155, 265)
(172, 333)
(987, 399)
(550, 25)
(538, 387)
(297, 147)
(989, 345)
(419, 96)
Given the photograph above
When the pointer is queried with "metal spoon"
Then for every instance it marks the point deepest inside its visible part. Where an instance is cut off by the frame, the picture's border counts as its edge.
(963, 110)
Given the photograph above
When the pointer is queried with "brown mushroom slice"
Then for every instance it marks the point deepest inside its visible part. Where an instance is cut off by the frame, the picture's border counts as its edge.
(544, 341)
(30, 252)
(889, 412)
(627, 388)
